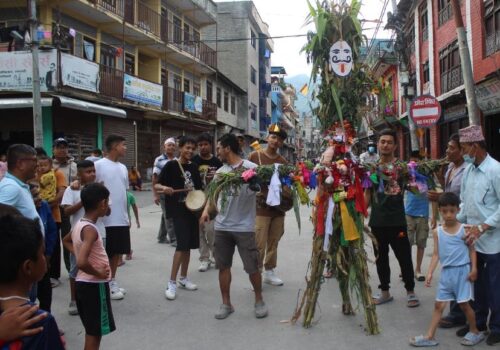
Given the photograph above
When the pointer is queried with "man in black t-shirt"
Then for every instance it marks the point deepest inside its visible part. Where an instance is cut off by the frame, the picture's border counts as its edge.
(388, 223)
(207, 166)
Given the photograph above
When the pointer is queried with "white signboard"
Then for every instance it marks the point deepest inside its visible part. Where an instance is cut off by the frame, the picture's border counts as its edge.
(341, 58)
(142, 91)
(16, 70)
(79, 73)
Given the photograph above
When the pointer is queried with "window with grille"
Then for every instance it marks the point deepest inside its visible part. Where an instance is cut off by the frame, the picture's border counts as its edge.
(253, 75)
(445, 12)
(196, 89)
(253, 39)
(425, 72)
(253, 112)
(449, 68)
(187, 85)
(129, 64)
(424, 23)
(492, 26)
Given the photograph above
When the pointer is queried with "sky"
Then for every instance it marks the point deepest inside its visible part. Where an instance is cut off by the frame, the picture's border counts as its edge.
(287, 17)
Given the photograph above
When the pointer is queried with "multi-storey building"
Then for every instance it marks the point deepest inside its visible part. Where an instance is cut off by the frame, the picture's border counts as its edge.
(244, 50)
(134, 67)
(436, 69)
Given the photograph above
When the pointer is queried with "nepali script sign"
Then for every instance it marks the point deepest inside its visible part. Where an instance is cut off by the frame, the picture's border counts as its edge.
(425, 111)
(79, 73)
(16, 71)
(142, 91)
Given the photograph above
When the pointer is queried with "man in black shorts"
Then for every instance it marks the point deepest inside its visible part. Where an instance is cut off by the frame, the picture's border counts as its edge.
(114, 175)
(235, 227)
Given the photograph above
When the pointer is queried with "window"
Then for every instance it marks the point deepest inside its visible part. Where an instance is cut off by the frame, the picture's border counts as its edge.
(219, 98)
(253, 75)
(449, 68)
(445, 11)
(424, 24)
(177, 24)
(492, 26)
(129, 64)
(108, 56)
(209, 91)
(187, 85)
(196, 36)
(226, 101)
(187, 39)
(253, 112)
(233, 105)
(425, 72)
(196, 89)
(177, 82)
(410, 37)
(164, 77)
(61, 38)
(253, 39)
(89, 49)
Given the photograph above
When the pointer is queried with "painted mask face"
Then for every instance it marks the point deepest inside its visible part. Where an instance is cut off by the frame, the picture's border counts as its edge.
(341, 58)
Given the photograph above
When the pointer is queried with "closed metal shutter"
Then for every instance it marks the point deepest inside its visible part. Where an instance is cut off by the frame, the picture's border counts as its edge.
(125, 128)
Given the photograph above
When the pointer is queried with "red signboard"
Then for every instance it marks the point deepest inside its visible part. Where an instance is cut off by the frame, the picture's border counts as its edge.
(425, 111)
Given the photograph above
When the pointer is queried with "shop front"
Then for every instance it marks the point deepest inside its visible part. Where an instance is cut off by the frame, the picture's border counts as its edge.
(488, 99)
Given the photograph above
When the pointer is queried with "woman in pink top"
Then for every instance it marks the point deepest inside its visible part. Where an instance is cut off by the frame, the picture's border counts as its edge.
(92, 288)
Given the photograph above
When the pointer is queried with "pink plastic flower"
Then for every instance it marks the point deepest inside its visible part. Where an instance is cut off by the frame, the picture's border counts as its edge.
(248, 174)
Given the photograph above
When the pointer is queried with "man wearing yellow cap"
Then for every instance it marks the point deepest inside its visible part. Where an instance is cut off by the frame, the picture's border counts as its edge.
(270, 222)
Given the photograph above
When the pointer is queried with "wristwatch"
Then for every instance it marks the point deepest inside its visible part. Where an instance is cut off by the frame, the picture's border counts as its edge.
(480, 228)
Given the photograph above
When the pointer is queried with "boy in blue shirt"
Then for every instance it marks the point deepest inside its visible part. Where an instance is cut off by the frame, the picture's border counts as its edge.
(459, 271)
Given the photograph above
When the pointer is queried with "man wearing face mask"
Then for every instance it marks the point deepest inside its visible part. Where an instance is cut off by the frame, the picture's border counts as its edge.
(371, 155)
(480, 211)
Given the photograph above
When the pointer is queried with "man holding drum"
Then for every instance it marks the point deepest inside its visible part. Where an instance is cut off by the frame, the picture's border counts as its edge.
(176, 179)
(207, 166)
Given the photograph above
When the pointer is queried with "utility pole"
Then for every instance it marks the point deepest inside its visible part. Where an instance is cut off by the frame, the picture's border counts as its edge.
(37, 98)
(463, 49)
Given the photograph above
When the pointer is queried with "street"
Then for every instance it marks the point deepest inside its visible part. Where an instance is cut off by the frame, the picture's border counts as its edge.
(146, 320)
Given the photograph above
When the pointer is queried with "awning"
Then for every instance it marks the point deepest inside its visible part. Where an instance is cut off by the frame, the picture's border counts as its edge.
(66, 102)
(22, 102)
(90, 107)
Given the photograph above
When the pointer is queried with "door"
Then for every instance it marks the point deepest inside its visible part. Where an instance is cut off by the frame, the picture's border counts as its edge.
(129, 11)
(493, 135)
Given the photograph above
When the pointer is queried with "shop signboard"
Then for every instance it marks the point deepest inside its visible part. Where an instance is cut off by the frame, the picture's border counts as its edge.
(16, 71)
(193, 103)
(142, 91)
(79, 73)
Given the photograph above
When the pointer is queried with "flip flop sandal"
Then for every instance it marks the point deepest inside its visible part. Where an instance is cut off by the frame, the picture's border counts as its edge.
(379, 300)
(328, 274)
(347, 309)
(412, 301)
(419, 277)
(472, 339)
(422, 342)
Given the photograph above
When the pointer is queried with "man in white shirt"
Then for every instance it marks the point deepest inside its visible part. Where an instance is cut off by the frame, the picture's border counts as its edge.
(166, 225)
(114, 176)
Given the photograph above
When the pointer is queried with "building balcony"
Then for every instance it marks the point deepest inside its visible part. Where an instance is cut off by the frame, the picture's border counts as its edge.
(200, 12)
(173, 101)
(142, 16)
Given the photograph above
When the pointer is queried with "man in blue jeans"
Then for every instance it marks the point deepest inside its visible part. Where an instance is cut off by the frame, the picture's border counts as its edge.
(480, 211)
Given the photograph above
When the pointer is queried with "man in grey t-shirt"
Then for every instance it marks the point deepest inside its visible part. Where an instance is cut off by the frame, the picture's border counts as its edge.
(235, 227)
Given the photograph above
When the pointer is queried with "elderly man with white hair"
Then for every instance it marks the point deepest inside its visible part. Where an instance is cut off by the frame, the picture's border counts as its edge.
(166, 225)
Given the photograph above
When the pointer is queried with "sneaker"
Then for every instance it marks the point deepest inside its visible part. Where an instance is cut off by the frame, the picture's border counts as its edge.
(204, 266)
(171, 290)
(260, 309)
(114, 284)
(72, 310)
(224, 311)
(162, 241)
(54, 282)
(493, 338)
(271, 278)
(187, 284)
(173, 244)
(116, 293)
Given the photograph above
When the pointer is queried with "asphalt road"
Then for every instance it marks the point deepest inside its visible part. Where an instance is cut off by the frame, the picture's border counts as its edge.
(146, 320)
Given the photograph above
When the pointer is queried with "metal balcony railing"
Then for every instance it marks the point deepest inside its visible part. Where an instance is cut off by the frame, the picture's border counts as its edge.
(141, 15)
(114, 6)
(209, 111)
(176, 36)
(111, 82)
